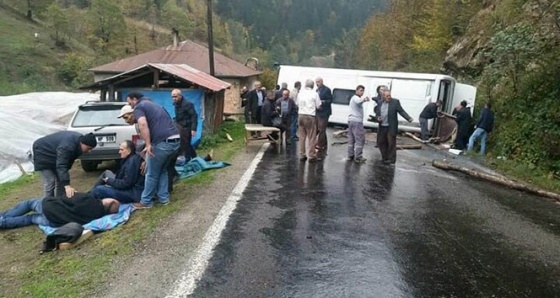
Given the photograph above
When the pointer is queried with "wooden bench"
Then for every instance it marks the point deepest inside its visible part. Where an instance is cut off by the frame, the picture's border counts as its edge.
(249, 128)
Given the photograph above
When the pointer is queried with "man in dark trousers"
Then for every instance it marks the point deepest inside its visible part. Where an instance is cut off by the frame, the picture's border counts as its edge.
(162, 139)
(187, 122)
(386, 114)
(243, 94)
(58, 211)
(287, 107)
(430, 111)
(255, 100)
(464, 125)
(54, 155)
(323, 114)
(484, 126)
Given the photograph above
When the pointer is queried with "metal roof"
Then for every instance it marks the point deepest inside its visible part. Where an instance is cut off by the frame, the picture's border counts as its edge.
(186, 52)
(182, 71)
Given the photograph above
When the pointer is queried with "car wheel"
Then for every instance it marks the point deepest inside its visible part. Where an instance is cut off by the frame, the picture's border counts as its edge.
(89, 165)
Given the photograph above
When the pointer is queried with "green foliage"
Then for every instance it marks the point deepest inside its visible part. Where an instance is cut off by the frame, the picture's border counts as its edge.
(522, 83)
(74, 70)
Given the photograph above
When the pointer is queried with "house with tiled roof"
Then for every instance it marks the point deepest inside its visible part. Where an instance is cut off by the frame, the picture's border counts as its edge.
(194, 55)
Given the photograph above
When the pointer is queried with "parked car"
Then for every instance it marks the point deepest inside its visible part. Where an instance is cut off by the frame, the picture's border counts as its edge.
(100, 118)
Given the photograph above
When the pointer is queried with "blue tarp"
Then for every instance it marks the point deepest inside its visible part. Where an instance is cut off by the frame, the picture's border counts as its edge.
(163, 98)
(197, 165)
(105, 223)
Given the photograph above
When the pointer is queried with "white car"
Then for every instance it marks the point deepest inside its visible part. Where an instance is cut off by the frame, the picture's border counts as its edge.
(100, 118)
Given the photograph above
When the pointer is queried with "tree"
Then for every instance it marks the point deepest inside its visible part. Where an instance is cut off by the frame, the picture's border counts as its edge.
(106, 25)
(57, 20)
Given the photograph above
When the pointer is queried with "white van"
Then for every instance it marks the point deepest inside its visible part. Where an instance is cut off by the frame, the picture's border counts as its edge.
(414, 90)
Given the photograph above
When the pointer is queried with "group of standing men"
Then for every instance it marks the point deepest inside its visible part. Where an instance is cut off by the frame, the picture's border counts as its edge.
(304, 113)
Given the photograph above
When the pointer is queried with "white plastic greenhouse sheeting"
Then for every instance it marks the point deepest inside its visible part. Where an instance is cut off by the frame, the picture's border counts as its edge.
(27, 117)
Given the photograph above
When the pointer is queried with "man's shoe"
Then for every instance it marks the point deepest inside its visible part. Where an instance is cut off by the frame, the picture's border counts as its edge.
(141, 206)
(295, 139)
(360, 160)
(303, 158)
(350, 158)
(165, 203)
(209, 156)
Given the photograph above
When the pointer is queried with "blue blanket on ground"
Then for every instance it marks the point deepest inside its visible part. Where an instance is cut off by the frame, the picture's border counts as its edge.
(105, 223)
(196, 165)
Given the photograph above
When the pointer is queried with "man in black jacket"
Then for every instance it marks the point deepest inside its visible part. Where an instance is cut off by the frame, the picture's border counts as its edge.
(127, 184)
(386, 114)
(464, 126)
(58, 211)
(255, 100)
(323, 114)
(484, 126)
(54, 155)
(187, 122)
(430, 111)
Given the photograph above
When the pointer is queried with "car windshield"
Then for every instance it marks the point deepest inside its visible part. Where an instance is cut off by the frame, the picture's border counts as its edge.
(98, 116)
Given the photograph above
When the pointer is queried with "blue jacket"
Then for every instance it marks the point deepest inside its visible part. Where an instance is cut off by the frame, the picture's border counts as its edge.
(486, 120)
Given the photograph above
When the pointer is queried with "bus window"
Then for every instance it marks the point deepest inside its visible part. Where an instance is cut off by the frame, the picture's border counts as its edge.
(342, 96)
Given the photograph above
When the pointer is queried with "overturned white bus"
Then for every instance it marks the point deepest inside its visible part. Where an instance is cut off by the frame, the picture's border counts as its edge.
(414, 90)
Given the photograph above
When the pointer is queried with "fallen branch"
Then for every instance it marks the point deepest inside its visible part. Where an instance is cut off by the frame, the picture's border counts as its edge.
(442, 164)
(415, 137)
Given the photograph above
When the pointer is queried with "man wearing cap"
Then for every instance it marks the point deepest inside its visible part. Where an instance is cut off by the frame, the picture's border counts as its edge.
(162, 139)
(54, 155)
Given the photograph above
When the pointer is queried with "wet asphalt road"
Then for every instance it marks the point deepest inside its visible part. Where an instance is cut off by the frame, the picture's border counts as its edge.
(340, 229)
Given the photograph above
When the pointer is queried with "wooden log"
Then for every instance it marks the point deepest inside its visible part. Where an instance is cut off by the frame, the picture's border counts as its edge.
(415, 137)
(445, 165)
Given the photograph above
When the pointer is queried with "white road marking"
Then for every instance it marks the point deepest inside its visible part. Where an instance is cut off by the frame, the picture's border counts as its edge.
(186, 284)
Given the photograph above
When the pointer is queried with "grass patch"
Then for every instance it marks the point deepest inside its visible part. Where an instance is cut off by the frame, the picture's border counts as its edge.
(532, 175)
(77, 272)
(6, 188)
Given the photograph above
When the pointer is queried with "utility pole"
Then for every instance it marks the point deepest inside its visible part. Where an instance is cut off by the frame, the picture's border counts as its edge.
(210, 37)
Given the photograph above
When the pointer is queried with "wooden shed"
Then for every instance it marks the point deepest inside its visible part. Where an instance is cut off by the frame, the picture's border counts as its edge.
(156, 81)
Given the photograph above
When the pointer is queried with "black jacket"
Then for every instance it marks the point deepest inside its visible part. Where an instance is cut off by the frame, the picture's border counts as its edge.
(81, 208)
(292, 107)
(429, 111)
(57, 152)
(253, 101)
(185, 114)
(325, 95)
(486, 120)
(394, 108)
(129, 177)
(464, 122)
(268, 112)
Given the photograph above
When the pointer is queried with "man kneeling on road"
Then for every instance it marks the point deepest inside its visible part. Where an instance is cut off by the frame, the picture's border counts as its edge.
(58, 211)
